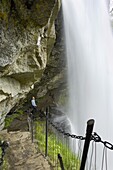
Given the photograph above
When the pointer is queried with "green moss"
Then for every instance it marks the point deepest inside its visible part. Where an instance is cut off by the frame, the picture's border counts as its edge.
(10, 119)
(3, 15)
(4, 10)
(20, 15)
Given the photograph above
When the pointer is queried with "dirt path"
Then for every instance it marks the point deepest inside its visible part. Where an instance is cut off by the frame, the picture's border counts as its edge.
(22, 154)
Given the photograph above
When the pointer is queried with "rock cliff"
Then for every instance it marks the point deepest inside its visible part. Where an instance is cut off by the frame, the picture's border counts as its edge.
(27, 37)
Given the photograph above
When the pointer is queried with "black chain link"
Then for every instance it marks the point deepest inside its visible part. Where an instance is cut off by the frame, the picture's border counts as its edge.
(95, 137)
(64, 133)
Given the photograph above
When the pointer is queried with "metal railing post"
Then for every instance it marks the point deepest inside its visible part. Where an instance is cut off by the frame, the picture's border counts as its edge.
(61, 162)
(46, 134)
(89, 130)
(32, 130)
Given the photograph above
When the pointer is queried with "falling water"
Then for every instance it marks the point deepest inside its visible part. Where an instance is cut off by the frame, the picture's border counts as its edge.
(89, 46)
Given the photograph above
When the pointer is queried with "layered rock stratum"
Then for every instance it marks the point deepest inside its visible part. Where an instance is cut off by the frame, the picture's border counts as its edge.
(27, 37)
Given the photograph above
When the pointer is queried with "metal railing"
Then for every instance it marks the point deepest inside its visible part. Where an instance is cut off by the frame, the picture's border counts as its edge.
(69, 151)
(89, 130)
(30, 119)
(61, 162)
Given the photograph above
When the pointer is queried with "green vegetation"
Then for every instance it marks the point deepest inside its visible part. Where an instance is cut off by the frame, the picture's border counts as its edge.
(55, 146)
(5, 162)
(9, 119)
(5, 165)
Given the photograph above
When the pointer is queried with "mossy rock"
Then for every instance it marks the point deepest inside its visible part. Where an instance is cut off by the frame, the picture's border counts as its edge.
(10, 119)
(18, 12)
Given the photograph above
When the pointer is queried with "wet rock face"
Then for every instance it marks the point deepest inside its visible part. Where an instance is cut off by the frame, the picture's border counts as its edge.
(54, 79)
(27, 36)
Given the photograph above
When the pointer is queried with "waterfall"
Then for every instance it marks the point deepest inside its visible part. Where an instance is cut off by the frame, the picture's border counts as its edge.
(89, 48)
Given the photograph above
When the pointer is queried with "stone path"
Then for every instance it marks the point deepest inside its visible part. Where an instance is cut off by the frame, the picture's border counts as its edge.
(22, 154)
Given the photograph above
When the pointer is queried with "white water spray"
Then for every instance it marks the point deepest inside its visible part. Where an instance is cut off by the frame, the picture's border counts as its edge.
(89, 45)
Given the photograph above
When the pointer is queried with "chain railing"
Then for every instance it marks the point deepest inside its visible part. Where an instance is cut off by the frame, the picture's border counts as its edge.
(95, 137)
(71, 153)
